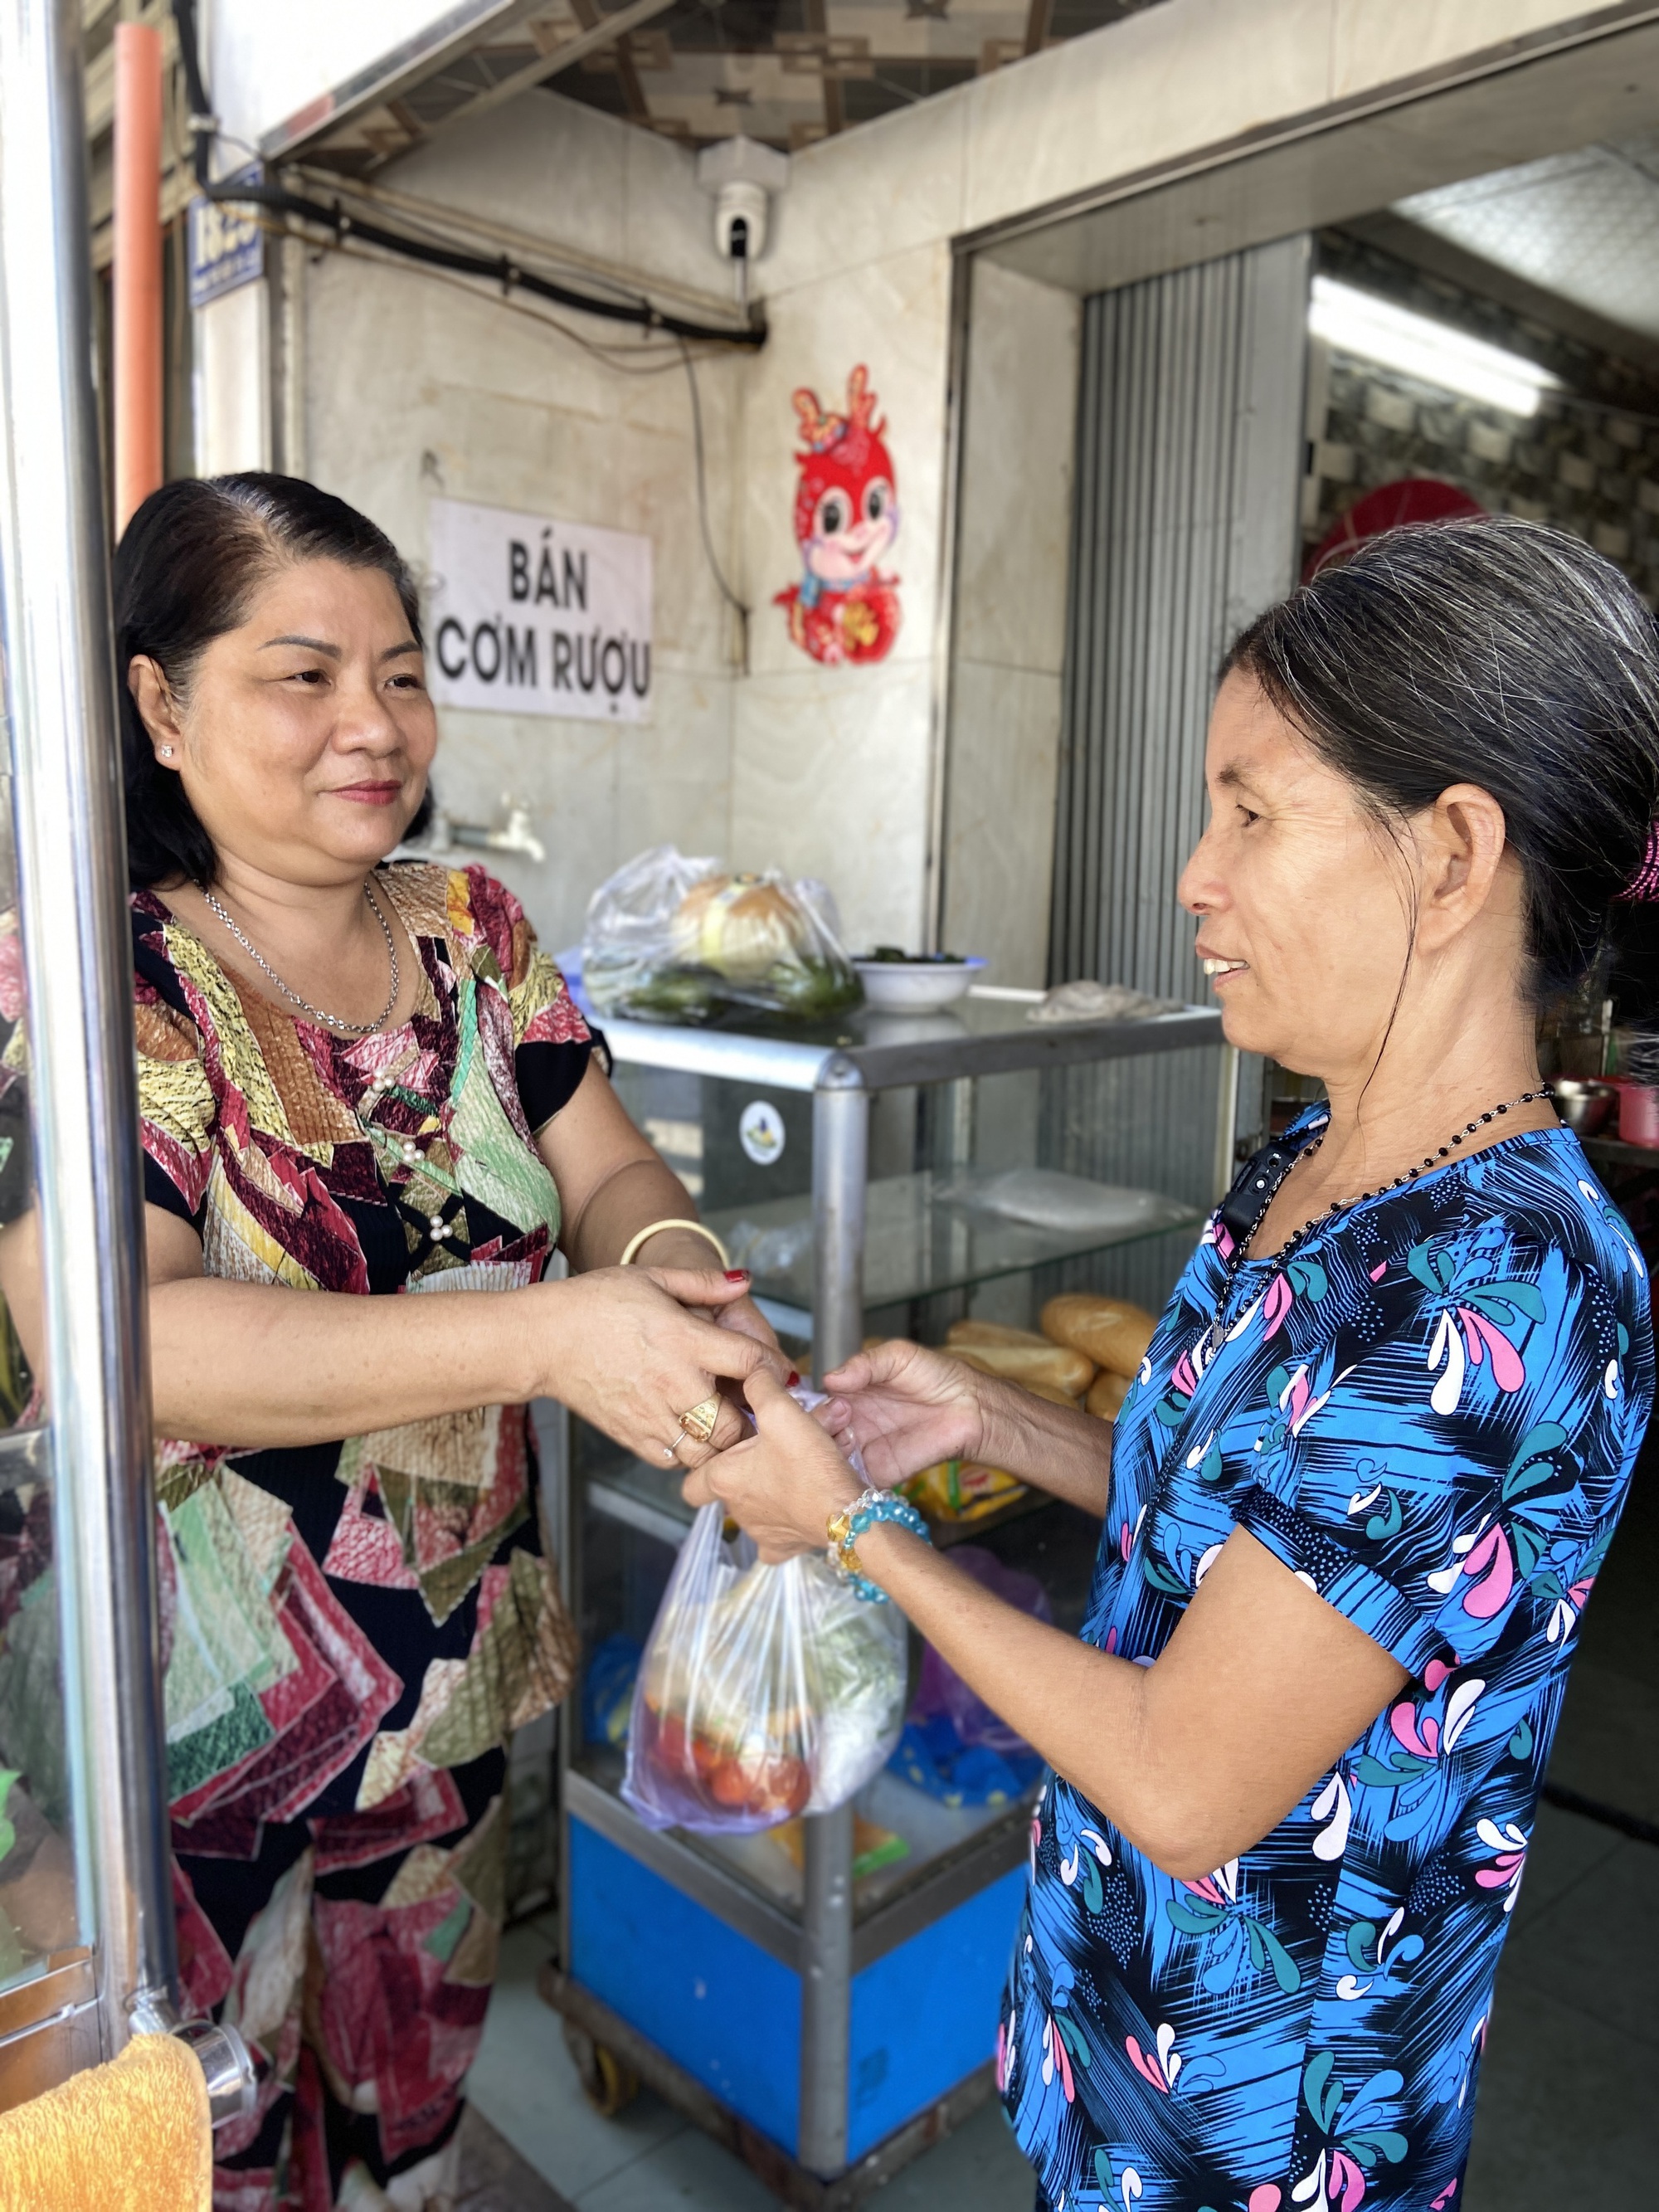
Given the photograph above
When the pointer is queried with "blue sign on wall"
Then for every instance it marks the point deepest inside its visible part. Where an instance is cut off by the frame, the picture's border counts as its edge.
(226, 245)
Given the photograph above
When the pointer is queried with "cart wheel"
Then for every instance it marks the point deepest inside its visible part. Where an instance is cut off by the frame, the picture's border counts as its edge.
(609, 2086)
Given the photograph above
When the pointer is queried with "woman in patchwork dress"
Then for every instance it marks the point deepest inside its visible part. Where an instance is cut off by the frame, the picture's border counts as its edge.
(363, 1083)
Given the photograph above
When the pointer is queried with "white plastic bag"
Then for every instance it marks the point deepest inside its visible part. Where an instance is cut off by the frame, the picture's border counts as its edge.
(673, 939)
(764, 1691)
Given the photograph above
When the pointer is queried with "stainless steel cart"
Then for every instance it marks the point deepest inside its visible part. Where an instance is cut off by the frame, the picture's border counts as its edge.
(825, 2019)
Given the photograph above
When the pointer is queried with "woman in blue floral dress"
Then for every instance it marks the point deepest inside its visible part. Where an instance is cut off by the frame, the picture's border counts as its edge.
(1356, 1500)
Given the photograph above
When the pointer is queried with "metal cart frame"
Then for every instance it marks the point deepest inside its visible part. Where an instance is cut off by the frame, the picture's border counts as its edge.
(828, 1948)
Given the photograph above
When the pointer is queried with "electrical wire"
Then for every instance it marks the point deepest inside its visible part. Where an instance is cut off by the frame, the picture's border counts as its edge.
(740, 606)
(445, 222)
(500, 269)
(644, 360)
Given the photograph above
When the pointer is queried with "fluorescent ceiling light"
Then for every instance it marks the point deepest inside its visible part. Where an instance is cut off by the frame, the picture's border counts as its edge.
(1361, 323)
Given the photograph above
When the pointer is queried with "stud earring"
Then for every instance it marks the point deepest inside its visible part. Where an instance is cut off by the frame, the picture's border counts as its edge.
(167, 752)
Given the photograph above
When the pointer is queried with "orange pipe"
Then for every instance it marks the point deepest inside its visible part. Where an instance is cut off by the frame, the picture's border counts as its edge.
(137, 271)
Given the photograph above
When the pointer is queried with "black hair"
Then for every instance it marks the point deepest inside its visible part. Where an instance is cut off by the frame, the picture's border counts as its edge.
(1493, 652)
(187, 566)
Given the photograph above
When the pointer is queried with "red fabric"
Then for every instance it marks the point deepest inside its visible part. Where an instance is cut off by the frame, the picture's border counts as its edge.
(1390, 506)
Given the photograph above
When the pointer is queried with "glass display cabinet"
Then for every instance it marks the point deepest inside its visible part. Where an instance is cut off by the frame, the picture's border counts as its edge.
(822, 1997)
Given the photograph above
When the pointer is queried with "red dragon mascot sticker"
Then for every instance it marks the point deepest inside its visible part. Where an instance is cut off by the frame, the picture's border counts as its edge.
(846, 518)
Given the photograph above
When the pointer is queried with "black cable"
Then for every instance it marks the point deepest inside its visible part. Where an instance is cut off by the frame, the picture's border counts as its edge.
(726, 592)
(500, 269)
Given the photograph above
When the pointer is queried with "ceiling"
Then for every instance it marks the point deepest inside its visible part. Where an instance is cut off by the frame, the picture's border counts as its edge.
(789, 72)
(1584, 226)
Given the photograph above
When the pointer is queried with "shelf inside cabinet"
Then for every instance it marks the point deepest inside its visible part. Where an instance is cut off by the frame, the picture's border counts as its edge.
(977, 1036)
(919, 1239)
(642, 1497)
(937, 1838)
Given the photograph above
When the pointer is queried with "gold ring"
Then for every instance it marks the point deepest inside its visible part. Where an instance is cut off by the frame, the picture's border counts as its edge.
(700, 1421)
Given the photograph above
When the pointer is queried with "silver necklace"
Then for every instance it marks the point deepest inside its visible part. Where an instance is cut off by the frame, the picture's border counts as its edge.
(334, 1021)
(1344, 1204)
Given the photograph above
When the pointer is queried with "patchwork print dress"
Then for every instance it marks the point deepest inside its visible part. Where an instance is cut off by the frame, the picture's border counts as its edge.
(1430, 1415)
(354, 1629)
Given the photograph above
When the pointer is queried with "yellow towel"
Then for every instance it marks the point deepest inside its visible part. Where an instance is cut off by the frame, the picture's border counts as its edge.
(132, 2136)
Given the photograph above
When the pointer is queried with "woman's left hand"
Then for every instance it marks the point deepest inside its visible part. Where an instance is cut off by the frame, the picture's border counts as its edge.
(782, 1484)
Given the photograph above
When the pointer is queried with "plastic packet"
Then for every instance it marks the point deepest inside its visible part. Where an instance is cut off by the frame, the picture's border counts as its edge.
(954, 1746)
(1046, 1198)
(764, 1691)
(673, 939)
(941, 1690)
(1099, 1002)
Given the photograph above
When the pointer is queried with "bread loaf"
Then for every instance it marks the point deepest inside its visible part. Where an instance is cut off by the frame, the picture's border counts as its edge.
(1112, 1332)
(1106, 1393)
(1056, 1364)
(739, 925)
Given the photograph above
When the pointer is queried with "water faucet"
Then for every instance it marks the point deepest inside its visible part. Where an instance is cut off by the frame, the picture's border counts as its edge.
(515, 834)
(511, 833)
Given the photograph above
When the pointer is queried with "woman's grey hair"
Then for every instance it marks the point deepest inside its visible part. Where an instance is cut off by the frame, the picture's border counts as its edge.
(1492, 652)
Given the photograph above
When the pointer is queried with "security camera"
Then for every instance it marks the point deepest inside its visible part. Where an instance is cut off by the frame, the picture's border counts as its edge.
(740, 221)
(741, 176)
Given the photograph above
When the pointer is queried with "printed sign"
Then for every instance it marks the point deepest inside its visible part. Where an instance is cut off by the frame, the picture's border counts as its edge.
(531, 616)
(227, 246)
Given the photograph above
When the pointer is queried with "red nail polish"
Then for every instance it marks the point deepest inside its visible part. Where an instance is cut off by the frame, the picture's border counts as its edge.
(794, 1379)
(737, 1275)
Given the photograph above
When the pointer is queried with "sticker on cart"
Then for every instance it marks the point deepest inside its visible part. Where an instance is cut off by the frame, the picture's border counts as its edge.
(761, 1133)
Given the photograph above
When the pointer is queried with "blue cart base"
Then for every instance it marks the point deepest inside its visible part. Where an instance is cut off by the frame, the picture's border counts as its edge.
(712, 2022)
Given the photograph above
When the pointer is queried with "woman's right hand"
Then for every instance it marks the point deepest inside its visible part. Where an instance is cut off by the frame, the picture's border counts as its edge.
(624, 1352)
(905, 1408)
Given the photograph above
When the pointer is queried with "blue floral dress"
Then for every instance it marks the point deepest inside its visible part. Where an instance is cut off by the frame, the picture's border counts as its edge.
(1429, 1414)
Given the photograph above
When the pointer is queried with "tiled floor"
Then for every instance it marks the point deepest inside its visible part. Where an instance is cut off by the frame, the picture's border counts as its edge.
(1568, 2113)
(649, 2160)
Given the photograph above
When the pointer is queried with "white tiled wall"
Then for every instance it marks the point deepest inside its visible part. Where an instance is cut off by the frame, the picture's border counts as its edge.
(831, 771)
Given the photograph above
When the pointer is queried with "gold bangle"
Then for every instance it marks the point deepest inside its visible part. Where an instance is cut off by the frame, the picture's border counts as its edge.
(697, 1228)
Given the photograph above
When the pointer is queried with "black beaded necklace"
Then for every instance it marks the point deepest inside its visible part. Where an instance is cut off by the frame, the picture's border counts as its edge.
(1245, 1216)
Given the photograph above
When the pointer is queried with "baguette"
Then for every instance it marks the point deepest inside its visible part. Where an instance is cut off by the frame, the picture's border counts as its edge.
(1112, 1332)
(1106, 1393)
(1061, 1369)
(994, 1332)
(1047, 1390)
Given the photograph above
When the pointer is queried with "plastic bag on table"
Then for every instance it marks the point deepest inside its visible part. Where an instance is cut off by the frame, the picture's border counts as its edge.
(764, 1691)
(673, 939)
(954, 1746)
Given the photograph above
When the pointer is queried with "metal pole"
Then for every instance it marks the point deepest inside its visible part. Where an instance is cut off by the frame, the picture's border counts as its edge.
(826, 1989)
(1226, 1120)
(840, 1159)
(72, 903)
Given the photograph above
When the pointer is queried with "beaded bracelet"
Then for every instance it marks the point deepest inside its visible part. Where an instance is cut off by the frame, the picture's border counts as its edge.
(846, 1528)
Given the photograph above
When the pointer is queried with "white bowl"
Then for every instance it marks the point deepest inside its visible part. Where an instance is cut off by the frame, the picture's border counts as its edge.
(915, 987)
